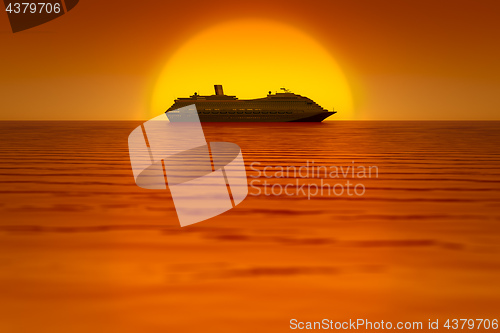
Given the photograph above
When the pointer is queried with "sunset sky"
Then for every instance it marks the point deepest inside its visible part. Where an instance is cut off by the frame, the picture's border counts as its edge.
(399, 60)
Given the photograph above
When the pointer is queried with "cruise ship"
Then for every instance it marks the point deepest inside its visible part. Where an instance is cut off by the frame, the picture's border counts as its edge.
(279, 107)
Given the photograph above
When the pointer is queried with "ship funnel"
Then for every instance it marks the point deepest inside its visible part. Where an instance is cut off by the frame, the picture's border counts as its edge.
(218, 89)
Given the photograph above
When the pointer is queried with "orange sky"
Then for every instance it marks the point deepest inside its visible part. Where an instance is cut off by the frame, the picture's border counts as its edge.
(403, 59)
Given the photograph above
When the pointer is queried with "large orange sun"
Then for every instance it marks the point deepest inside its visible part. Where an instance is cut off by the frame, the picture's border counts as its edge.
(249, 58)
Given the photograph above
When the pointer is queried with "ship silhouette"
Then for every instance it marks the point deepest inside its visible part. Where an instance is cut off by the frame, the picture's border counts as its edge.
(279, 107)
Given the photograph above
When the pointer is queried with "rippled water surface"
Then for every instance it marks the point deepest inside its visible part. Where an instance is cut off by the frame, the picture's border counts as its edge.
(83, 249)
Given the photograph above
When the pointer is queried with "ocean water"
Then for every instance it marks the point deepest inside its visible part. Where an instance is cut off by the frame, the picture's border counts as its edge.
(83, 249)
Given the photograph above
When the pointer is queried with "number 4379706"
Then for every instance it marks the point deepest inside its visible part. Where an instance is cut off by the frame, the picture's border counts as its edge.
(33, 7)
(471, 324)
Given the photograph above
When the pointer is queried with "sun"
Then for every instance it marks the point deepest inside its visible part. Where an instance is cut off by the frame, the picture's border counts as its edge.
(250, 58)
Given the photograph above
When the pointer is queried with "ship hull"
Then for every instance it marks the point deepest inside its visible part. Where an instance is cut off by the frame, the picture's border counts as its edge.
(248, 118)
